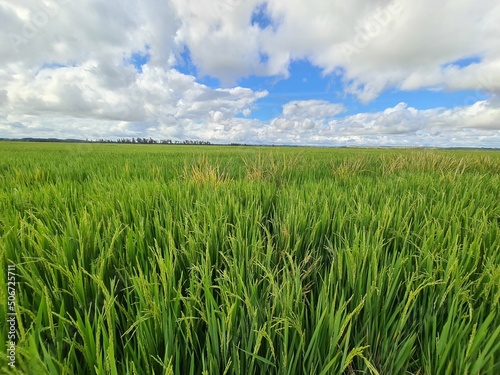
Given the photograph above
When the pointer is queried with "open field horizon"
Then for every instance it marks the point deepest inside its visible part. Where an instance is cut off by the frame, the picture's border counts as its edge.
(271, 145)
(245, 260)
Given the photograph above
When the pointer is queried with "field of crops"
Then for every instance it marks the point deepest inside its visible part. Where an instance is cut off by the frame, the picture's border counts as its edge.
(150, 259)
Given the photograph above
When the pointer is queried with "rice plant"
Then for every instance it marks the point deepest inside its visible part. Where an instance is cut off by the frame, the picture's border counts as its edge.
(143, 259)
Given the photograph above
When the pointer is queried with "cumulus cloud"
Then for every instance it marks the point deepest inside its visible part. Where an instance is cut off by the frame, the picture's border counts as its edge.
(69, 65)
(120, 94)
(477, 124)
(37, 32)
(377, 44)
(70, 69)
(313, 109)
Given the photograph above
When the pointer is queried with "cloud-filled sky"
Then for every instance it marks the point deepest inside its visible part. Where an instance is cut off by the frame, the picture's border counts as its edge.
(315, 72)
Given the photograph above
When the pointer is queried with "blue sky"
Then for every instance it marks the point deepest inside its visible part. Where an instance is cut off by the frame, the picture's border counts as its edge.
(328, 73)
(139, 59)
(306, 82)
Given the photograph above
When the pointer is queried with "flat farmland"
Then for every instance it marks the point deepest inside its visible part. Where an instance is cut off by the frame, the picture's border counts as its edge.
(156, 259)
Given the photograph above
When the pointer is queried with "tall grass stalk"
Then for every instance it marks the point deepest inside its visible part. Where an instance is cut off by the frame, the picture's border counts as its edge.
(156, 260)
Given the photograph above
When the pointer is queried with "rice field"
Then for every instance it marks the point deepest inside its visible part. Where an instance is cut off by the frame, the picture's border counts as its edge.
(150, 259)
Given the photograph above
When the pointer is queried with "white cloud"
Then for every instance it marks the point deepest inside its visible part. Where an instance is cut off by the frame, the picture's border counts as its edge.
(96, 91)
(313, 109)
(65, 68)
(476, 125)
(220, 37)
(37, 32)
(378, 44)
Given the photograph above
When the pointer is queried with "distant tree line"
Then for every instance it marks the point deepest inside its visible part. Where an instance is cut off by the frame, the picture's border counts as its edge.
(151, 141)
(138, 140)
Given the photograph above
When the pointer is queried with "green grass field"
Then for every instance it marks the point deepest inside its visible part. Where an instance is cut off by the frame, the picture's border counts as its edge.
(238, 260)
